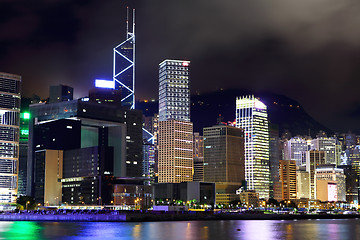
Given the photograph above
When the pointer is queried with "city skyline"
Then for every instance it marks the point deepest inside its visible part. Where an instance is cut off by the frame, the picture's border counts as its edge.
(256, 118)
(287, 49)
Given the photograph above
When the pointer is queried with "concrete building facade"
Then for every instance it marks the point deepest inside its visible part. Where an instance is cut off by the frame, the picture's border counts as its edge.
(175, 151)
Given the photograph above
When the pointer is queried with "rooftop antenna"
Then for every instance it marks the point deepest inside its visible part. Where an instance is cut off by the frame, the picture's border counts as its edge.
(124, 69)
(124, 65)
(127, 21)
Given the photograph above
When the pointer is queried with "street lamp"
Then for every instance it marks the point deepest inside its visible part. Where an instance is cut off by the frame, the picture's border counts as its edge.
(27, 203)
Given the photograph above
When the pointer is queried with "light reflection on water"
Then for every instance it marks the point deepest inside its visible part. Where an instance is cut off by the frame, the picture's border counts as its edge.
(182, 230)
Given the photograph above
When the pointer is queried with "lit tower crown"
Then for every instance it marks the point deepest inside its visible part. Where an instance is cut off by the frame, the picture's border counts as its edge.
(124, 65)
(251, 115)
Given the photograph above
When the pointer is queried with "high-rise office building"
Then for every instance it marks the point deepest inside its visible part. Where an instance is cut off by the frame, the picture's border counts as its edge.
(313, 160)
(175, 151)
(352, 184)
(275, 156)
(174, 90)
(149, 163)
(151, 125)
(294, 149)
(251, 116)
(224, 154)
(175, 139)
(287, 179)
(328, 145)
(198, 154)
(9, 138)
(124, 65)
(224, 160)
(23, 149)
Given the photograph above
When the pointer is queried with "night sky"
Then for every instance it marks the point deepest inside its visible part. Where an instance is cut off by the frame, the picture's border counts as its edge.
(307, 50)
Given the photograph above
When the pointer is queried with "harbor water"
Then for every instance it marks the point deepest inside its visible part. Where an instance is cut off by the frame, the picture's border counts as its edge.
(329, 229)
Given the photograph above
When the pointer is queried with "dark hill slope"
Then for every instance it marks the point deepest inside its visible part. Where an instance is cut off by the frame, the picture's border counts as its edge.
(287, 113)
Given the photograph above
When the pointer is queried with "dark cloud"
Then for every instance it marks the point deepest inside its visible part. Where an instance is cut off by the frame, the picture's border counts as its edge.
(307, 50)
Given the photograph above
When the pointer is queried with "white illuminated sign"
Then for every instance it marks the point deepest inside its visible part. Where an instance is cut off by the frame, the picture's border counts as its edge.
(104, 83)
(332, 192)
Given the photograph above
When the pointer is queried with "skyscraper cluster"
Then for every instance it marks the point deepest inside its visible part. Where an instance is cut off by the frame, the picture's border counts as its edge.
(100, 150)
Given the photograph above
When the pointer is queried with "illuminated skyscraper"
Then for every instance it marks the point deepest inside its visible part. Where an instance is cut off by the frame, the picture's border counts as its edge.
(175, 142)
(23, 149)
(287, 174)
(174, 91)
(124, 65)
(9, 139)
(175, 151)
(328, 145)
(294, 149)
(313, 160)
(251, 115)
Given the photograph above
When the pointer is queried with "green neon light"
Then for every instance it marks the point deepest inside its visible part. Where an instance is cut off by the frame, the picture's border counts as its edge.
(26, 115)
(24, 132)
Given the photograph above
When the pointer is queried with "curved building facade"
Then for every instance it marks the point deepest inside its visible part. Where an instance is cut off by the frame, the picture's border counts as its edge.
(9, 135)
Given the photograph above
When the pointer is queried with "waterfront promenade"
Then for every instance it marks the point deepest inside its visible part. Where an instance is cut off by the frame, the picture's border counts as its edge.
(137, 216)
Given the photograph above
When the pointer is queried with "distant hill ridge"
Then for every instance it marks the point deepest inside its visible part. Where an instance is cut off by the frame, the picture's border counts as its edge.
(283, 111)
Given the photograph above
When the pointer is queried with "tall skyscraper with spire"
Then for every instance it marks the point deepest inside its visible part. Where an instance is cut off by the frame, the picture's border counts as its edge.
(124, 65)
(251, 115)
(175, 139)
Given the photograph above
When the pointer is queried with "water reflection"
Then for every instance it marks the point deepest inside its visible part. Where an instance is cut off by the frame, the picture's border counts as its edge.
(137, 231)
(20, 230)
(258, 229)
(195, 230)
(289, 231)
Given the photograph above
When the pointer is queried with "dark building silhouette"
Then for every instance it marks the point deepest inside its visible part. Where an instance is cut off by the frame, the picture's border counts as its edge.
(60, 93)
(106, 133)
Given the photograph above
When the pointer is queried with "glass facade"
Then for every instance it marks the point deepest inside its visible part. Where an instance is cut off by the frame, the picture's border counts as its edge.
(329, 146)
(294, 149)
(174, 90)
(251, 116)
(223, 154)
(313, 160)
(9, 136)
